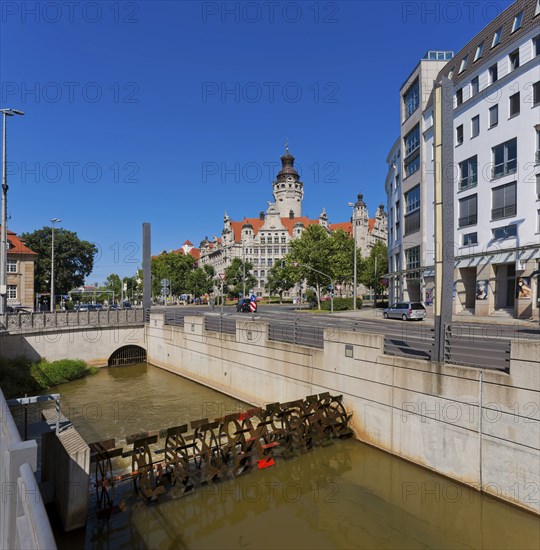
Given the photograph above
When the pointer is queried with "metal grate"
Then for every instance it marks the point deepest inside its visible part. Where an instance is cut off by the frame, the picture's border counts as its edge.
(127, 355)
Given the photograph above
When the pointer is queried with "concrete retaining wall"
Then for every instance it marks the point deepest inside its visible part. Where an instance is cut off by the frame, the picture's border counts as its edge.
(92, 344)
(479, 427)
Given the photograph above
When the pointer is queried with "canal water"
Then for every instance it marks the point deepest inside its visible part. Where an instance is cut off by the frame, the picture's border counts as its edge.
(346, 495)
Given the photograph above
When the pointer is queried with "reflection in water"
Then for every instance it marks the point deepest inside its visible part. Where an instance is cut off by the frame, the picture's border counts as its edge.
(346, 495)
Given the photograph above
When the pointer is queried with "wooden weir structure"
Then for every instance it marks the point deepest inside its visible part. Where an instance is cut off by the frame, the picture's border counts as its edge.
(211, 451)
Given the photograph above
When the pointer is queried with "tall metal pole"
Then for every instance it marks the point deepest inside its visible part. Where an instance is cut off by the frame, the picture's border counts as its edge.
(147, 268)
(53, 221)
(3, 240)
(243, 271)
(355, 287)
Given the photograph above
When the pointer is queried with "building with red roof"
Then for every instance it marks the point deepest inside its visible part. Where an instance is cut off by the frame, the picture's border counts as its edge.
(20, 272)
(265, 239)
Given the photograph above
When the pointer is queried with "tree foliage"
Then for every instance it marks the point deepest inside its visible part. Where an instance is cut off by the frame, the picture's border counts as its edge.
(282, 276)
(313, 252)
(200, 281)
(174, 267)
(73, 259)
(342, 257)
(372, 270)
(234, 277)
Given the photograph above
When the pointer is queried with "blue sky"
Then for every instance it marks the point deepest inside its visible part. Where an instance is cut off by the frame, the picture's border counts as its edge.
(172, 112)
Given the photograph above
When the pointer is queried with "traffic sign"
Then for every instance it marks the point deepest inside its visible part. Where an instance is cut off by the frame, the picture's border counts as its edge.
(221, 276)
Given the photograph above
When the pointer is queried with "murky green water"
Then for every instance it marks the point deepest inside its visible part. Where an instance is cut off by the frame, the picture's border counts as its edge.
(346, 495)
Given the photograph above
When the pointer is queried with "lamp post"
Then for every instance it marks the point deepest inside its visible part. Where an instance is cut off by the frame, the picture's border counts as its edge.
(355, 285)
(53, 221)
(3, 222)
(296, 264)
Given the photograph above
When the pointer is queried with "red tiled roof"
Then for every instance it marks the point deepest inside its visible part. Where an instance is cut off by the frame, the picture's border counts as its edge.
(189, 243)
(346, 226)
(16, 246)
(371, 224)
(257, 223)
(195, 252)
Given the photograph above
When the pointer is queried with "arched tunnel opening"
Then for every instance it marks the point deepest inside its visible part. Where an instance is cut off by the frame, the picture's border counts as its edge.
(127, 355)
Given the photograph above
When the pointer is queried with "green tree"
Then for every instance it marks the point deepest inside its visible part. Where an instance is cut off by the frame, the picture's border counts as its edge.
(200, 282)
(375, 265)
(114, 283)
(234, 277)
(313, 252)
(174, 267)
(281, 277)
(342, 257)
(73, 259)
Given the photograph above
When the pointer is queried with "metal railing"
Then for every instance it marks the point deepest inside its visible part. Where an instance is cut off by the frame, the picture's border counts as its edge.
(295, 333)
(486, 353)
(219, 323)
(27, 322)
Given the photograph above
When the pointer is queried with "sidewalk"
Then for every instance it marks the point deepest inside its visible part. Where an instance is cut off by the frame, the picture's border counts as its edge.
(376, 314)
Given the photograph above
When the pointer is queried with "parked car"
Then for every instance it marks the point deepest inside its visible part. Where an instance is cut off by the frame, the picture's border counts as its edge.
(405, 311)
(243, 305)
(113, 306)
(126, 305)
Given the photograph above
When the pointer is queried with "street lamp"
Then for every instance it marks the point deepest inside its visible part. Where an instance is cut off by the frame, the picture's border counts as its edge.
(352, 204)
(296, 264)
(53, 221)
(3, 222)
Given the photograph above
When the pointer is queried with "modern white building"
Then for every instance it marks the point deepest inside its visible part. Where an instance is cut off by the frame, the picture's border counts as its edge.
(496, 101)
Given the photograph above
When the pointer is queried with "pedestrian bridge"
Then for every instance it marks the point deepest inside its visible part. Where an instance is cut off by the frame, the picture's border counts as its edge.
(96, 337)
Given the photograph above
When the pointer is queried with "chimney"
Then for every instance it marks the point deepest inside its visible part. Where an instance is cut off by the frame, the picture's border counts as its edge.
(261, 215)
(291, 215)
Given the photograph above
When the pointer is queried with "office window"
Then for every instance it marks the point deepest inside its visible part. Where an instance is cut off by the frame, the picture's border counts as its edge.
(475, 125)
(537, 156)
(412, 165)
(283, 240)
(538, 221)
(468, 211)
(468, 173)
(479, 51)
(283, 251)
(12, 292)
(514, 104)
(496, 38)
(504, 232)
(263, 273)
(536, 93)
(459, 97)
(256, 273)
(475, 86)
(270, 261)
(411, 99)
(493, 116)
(514, 60)
(463, 65)
(504, 201)
(263, 240)
(412, 256)
(518, 19)
(459, 134)
(470, 239)
(504, 158)
(12, 266)
(412, 140)
(412, 222)
(537, 9)
(538, 186)
(493, 74)
(412, 199)
(536, 46)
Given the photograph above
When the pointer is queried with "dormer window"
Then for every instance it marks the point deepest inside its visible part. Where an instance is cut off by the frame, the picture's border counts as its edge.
(518, 19)
(496, 37)
(479, 51)
(463, 65)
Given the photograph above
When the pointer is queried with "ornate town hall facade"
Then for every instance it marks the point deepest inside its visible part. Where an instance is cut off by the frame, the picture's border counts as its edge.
(264, 240)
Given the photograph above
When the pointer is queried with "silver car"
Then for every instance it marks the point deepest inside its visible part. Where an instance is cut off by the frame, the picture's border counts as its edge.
(405, 311)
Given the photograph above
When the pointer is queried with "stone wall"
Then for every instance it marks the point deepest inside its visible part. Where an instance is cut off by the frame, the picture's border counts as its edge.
(479, 427)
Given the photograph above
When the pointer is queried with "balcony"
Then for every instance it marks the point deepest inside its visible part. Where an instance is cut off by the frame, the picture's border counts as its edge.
(468, 220)
(504, 169)
(468, 183)
(503, 212)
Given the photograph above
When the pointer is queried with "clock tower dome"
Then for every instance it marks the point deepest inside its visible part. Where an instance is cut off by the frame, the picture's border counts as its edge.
(288, 190)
